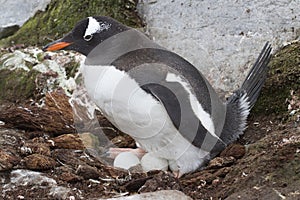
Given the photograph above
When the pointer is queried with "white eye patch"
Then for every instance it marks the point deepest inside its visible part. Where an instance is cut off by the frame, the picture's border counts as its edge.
(95, 27)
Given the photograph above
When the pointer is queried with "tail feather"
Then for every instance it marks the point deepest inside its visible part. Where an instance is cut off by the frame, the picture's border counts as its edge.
(242, 100)
(257, 75)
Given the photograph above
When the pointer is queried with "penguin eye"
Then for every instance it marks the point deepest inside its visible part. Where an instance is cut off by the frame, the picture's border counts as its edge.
(87, 37)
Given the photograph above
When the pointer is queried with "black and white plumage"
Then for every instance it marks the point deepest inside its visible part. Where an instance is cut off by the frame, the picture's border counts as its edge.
(156, 96)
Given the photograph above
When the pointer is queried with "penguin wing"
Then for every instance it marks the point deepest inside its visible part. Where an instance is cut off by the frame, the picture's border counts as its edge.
(192, 117)
(176, 101)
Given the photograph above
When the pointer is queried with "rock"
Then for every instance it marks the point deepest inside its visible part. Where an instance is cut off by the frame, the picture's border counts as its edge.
(39, 162)
(33, 181)
(123, 141)
(68, 141)
(13, 16)
(60, 192)
(7, 160)
(48, 118)
(16, 86)
(11, 138)
(222, 172)
(25, 177)
(161, 181)
(65, 173)
(219, 162)
(70, 177)
(136, 184)
(60, 18)
(28, 73)
(159, 195)
(68, 157)
(87, 172)
(235, 150)
(8, 30)
(225, 35)
(35, 148)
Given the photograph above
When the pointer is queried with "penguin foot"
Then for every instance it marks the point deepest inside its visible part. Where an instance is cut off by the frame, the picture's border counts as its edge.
(175, 168)
(177, 174)
(114, 152)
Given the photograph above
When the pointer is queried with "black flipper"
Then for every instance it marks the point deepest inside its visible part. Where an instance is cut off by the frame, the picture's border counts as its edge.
(177, 104)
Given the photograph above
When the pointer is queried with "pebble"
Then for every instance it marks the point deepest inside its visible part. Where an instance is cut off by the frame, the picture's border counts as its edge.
(68, 141)
(87, 172)
(7, 160)
(39, 162)
(220, 162)
(38, 148)
(158, 195)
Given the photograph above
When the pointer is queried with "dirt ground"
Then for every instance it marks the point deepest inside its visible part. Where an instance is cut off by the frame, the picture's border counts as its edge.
(264, 163)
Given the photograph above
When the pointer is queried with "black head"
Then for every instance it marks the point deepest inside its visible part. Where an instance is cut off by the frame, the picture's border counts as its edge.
(87, 34)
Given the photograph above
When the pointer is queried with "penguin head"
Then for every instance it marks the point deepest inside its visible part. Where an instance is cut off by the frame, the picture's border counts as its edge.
(87, 34)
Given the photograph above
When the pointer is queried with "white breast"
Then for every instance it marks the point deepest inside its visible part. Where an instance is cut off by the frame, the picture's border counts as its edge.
(123, 102)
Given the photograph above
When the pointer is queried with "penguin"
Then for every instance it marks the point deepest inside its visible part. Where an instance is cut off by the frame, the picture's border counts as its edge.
(157, 97)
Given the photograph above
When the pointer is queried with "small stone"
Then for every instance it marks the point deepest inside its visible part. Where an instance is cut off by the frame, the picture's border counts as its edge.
(65, 173)
(136, 169)
(123, 141)
(161, 181)
(222, 172)
(215, 181)
(158, 195)
(7, 160)
(38, 148)
(69, 177)
(68, 141)
(219, 162)
(39, 162)
(136, 184)
(89, 140)
(235, 150)
(87, 172)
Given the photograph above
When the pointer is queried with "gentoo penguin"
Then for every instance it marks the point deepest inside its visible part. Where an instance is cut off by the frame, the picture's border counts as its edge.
(157, 97)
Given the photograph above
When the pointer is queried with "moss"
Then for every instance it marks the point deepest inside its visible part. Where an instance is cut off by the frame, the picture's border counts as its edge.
(17, 85)
(61, 16)
(40, 57)
(71, 68)
(284, 76)
(7, 31)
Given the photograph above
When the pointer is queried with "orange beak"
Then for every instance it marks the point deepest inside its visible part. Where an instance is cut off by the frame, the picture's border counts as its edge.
(56, 45)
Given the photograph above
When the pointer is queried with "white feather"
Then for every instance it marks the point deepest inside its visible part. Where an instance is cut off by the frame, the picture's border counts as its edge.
(245, 111)
(95, 27)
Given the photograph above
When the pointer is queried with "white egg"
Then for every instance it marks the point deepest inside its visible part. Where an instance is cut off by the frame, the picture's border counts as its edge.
(150, 162)
(125, 160)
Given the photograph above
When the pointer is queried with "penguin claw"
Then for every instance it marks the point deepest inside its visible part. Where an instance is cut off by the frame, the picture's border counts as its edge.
(177, 174)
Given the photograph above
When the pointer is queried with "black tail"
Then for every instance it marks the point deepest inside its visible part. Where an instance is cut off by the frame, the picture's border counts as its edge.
(257, 75)
(241, 101)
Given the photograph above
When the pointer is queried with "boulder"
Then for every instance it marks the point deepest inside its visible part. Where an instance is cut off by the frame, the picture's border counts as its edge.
(12, 17)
